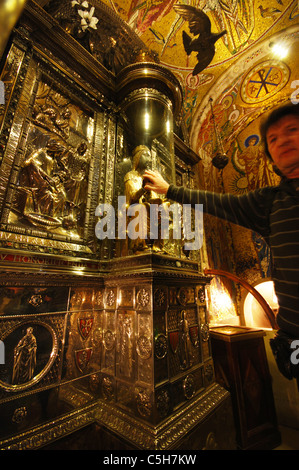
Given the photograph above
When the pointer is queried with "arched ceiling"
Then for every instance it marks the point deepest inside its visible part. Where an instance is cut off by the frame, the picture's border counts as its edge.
(252, 27)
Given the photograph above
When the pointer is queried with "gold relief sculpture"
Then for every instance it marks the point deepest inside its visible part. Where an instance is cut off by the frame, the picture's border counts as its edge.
(24, 358)
(163, 403)
(50, 120)
(144, 404)
(98, 298)
(97, 338)
(205, 332)
(144, 347)
(51, 186)
(107, 388)
(143, 298)
(144, 342)
(84, 338)
(193, 332)
(81, 299)
(125, 344)
(201, 294)
(185, 295)
(182, 295)
(189, 386)
(209, 372)
(19, 414)
(109, 340)
(40, 188)
(184, 349)
(53, 179)
(110, 298)
(36, 300)
(160, 296)
(76, 301)
(161, 348)
(144, 371)
(82, 358)
(184, 338)
(94, 382)
(31, 352)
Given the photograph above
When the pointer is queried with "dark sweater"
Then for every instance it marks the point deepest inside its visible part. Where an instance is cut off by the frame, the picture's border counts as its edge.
(273, 212)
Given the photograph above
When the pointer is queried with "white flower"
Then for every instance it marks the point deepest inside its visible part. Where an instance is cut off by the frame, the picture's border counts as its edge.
(88, 20)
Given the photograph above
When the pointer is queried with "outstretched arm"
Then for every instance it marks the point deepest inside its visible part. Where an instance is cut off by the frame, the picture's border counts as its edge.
(249, 210)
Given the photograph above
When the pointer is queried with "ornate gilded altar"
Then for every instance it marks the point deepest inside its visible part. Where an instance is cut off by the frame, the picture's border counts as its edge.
(97, 330)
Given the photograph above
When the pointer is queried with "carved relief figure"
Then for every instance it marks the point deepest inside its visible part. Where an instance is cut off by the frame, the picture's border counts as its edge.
(185, 346)
(126, 347)
(42, 180)
(24, 358)
(46, 118)
(53, 119)
(54, 181)
(76, 166)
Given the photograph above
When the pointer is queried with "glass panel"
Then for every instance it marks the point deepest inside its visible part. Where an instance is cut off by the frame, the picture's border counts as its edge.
(147, 121)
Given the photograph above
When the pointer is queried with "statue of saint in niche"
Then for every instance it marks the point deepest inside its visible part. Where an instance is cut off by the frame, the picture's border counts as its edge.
(24, 358)
(136, 194)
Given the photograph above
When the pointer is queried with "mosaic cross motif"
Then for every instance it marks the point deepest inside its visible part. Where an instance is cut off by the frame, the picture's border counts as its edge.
(263, 81)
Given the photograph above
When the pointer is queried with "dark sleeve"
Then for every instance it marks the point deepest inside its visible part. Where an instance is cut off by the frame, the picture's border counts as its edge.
(250, 210)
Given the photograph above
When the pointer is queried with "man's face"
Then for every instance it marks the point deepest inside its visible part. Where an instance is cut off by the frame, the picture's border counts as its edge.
(283, 144)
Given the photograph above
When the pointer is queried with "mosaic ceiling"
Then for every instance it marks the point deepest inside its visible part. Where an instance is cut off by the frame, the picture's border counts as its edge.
(241, 77)
(243, 59)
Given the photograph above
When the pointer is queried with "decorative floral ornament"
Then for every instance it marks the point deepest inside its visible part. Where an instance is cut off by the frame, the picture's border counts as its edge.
(88, 20)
